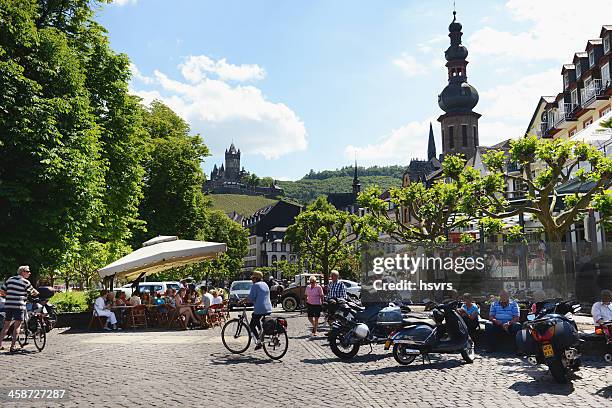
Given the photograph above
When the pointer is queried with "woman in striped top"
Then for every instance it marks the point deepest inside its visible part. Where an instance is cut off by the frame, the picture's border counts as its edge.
(16, 289)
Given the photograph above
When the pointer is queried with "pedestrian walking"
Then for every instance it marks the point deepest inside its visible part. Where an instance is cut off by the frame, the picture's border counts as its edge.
(16, 289)
(314, 302)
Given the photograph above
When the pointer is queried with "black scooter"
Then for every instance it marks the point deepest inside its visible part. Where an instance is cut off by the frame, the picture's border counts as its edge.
(354, 325)
(450, 335)
(551, 337)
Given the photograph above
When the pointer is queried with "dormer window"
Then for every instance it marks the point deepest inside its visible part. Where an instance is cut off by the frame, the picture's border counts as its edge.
(566, 80)
(578, 70)
(591, 58)
(606, 44)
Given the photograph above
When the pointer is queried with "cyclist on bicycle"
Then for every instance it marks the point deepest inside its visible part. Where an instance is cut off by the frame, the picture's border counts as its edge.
(262, 306)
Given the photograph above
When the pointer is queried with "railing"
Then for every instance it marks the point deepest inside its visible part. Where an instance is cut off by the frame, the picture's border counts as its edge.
(563, 113)
(591, 92)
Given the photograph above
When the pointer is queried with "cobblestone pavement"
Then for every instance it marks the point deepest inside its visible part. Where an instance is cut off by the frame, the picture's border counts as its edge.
(168, 368)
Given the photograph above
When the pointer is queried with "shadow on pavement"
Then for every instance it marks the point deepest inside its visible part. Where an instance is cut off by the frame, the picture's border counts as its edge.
(19, 351)
(364, 358)
(605, 392)
(231, 359)
(542, 385)
(416, 366)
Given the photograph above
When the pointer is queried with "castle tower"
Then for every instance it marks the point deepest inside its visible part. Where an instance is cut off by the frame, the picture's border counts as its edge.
(459, 123)
(232, 164)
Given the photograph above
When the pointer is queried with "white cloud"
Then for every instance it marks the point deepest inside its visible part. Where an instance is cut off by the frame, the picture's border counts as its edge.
(124, 2)
(399, 146)
(222, 111)
(516, 101)
(136, 74)
(409, 65)
(554, 29)
(196, 68)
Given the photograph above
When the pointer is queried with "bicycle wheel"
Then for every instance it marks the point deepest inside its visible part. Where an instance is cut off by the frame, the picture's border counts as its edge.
(40, 336)
(276, 345)
(236, 336)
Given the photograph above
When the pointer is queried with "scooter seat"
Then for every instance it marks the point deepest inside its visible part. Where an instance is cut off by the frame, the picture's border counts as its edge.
(411, 320)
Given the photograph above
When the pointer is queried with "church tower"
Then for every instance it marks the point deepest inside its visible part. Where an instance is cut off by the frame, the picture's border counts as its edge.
(459, 123)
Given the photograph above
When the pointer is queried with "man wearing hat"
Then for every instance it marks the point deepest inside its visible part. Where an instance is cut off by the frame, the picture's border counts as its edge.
(260, 297)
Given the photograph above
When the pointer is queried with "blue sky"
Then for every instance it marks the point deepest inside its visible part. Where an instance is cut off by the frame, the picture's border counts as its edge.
(301, 85)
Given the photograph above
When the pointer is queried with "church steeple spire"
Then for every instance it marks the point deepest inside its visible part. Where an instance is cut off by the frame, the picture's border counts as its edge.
(356, 183)
(431, 145)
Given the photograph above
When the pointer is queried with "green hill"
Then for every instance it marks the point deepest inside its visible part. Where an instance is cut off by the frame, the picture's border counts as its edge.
(306, 190)
(242, 204)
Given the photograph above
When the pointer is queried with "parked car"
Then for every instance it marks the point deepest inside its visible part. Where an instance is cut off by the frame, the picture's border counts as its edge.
(239, 290)
(151, 287)
(352, 288)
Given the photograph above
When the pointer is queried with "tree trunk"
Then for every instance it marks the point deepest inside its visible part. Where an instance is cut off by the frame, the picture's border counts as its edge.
(557, 255)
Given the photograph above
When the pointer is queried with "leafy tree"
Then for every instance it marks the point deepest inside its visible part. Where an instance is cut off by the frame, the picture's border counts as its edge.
(434, 211)
(220, 228)
(288, 269)
(324, 235)
(542, 199)
(173, 202)
(51, 165)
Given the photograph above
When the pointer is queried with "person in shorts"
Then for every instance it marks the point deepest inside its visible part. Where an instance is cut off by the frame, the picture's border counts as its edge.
(16, 289)
(314, 301)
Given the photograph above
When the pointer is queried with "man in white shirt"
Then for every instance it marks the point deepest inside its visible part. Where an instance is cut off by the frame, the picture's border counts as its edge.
(602, 311)
(102, 310)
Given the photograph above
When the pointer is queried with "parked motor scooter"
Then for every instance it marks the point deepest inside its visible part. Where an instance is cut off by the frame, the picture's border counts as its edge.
(354, 325)
(550, 337)
(448, 336)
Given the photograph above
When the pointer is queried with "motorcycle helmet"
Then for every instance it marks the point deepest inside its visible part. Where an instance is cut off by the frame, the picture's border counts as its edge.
(361, 331)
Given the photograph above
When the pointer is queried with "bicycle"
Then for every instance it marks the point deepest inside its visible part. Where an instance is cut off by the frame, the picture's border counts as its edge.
(236, 336)
(34, 327)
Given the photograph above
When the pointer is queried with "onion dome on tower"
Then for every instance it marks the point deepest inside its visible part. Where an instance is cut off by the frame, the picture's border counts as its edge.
(459, 122)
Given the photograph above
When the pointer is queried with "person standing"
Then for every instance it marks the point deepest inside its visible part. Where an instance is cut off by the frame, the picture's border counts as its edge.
(16, 289)
(314, 302)
(336, 289)
(262, 306)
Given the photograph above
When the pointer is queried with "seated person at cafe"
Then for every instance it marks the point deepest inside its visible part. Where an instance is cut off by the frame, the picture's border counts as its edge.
(602, 311)
(157, 300)
(186, 311)
(217, 299)
(103, 309)
(146, 298)
(469, 312)
(169, 298)
(135, 299)
(192, 295)
(121, 300)
(504, 320)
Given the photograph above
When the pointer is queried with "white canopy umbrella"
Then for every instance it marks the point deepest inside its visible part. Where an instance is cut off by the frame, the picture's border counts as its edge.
(594, 133)
(161, 253)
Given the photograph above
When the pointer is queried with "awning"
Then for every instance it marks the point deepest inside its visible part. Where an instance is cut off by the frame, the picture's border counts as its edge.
(594, 133)
(160, 254)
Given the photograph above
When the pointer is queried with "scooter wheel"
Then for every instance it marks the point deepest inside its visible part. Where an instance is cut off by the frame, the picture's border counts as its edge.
(399, 353)
(608, 357)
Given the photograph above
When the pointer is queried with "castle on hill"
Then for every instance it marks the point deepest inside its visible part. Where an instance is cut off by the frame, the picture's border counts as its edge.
(229, 178)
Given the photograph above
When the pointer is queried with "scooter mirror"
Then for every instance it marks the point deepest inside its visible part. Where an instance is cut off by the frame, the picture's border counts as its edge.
(531, 317)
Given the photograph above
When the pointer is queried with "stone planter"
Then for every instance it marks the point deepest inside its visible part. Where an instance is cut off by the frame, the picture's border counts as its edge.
(78, 320)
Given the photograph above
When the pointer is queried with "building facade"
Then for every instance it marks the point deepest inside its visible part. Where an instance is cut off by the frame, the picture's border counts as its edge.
(267, 228)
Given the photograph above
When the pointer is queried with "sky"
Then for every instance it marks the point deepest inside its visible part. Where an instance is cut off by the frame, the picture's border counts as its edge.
(300, 85)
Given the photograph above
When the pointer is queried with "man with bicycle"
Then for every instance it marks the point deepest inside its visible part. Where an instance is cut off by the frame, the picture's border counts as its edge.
(262, 306)
(16, 289)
